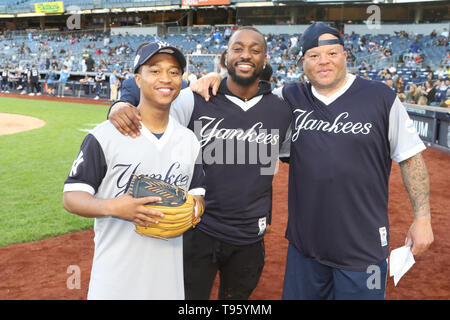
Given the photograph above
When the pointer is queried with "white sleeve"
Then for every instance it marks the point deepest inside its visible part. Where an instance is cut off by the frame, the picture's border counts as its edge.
(278, 92)
(403, 137)
(183, 106)
(285, 148)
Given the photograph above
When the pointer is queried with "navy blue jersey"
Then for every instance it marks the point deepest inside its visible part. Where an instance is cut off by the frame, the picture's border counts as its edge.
(240, 142)
(341, 155)
(34, 75)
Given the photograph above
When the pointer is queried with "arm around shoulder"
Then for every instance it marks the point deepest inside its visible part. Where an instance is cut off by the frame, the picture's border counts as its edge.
(126, 118)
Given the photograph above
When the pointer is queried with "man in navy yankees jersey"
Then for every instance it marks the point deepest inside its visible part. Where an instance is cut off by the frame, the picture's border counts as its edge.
(240, 131)
(127, 265)
(345, 134)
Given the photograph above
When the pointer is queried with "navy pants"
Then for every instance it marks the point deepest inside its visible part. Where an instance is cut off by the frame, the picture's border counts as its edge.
(306, 279)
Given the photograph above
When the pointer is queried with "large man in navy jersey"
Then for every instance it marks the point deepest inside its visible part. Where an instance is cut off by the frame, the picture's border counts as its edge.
(240, 131)
(345, 134)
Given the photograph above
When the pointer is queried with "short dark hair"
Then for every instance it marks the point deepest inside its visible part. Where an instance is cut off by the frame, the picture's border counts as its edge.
(257, 31)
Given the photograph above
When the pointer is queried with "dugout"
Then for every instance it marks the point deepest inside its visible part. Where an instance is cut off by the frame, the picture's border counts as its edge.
(432, 124)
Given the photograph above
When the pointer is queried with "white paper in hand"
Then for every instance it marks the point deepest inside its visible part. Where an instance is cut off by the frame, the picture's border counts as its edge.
(401, 260)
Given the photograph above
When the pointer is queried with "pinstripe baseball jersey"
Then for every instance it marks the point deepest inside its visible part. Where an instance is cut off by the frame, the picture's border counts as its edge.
(127, 265)
(341, 155)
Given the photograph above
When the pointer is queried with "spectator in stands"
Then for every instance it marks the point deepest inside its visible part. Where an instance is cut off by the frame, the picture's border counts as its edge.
(290, 74)
(422, 101)
(410, 62)
(293, 48)
(413, 94)
(68, 63)
(207, 40)
(429, 91)
(64, 75)
(446, 84)
(191, 78)
(277, 59)
(54, 64)
(283, 47)
(445, 104)
(440, 72)
(415, 47)
(99, 79)
(217, 37)
(384, 74)
(392, 69)
(83, 65)
(387, 53)
(400, 85)
(350, 56)
(444, 33)
(122, 75)
(441, 90)
(280, 82)
(433, 34)
(281, 71)
(419, 59)
(90, 63)
(227, 33)
(129, 73)
(198, 48)
(113, 86)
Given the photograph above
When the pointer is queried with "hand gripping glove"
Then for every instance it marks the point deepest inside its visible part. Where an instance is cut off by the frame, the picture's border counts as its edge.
(181, 210)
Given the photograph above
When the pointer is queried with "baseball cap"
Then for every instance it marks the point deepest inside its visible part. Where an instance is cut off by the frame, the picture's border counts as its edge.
(310, 38)
(149, 50)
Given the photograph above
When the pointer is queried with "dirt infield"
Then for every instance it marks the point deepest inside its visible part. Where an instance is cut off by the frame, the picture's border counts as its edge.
(41, 269)
(14, 123)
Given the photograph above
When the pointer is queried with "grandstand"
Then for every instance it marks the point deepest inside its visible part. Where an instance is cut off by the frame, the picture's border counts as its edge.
(412, 40)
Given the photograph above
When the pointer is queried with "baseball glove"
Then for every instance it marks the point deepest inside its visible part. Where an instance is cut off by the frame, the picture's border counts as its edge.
(181, 210)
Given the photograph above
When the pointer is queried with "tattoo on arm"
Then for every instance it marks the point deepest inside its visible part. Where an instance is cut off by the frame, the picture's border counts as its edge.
(417, 183)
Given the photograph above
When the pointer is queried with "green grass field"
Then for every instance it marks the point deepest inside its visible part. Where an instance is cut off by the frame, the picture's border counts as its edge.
(34, 165)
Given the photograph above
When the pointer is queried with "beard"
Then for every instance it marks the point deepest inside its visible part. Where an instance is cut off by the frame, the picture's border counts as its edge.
(244, 81)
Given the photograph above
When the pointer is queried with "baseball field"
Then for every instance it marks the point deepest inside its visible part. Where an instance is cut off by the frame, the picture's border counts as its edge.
(42, 246)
